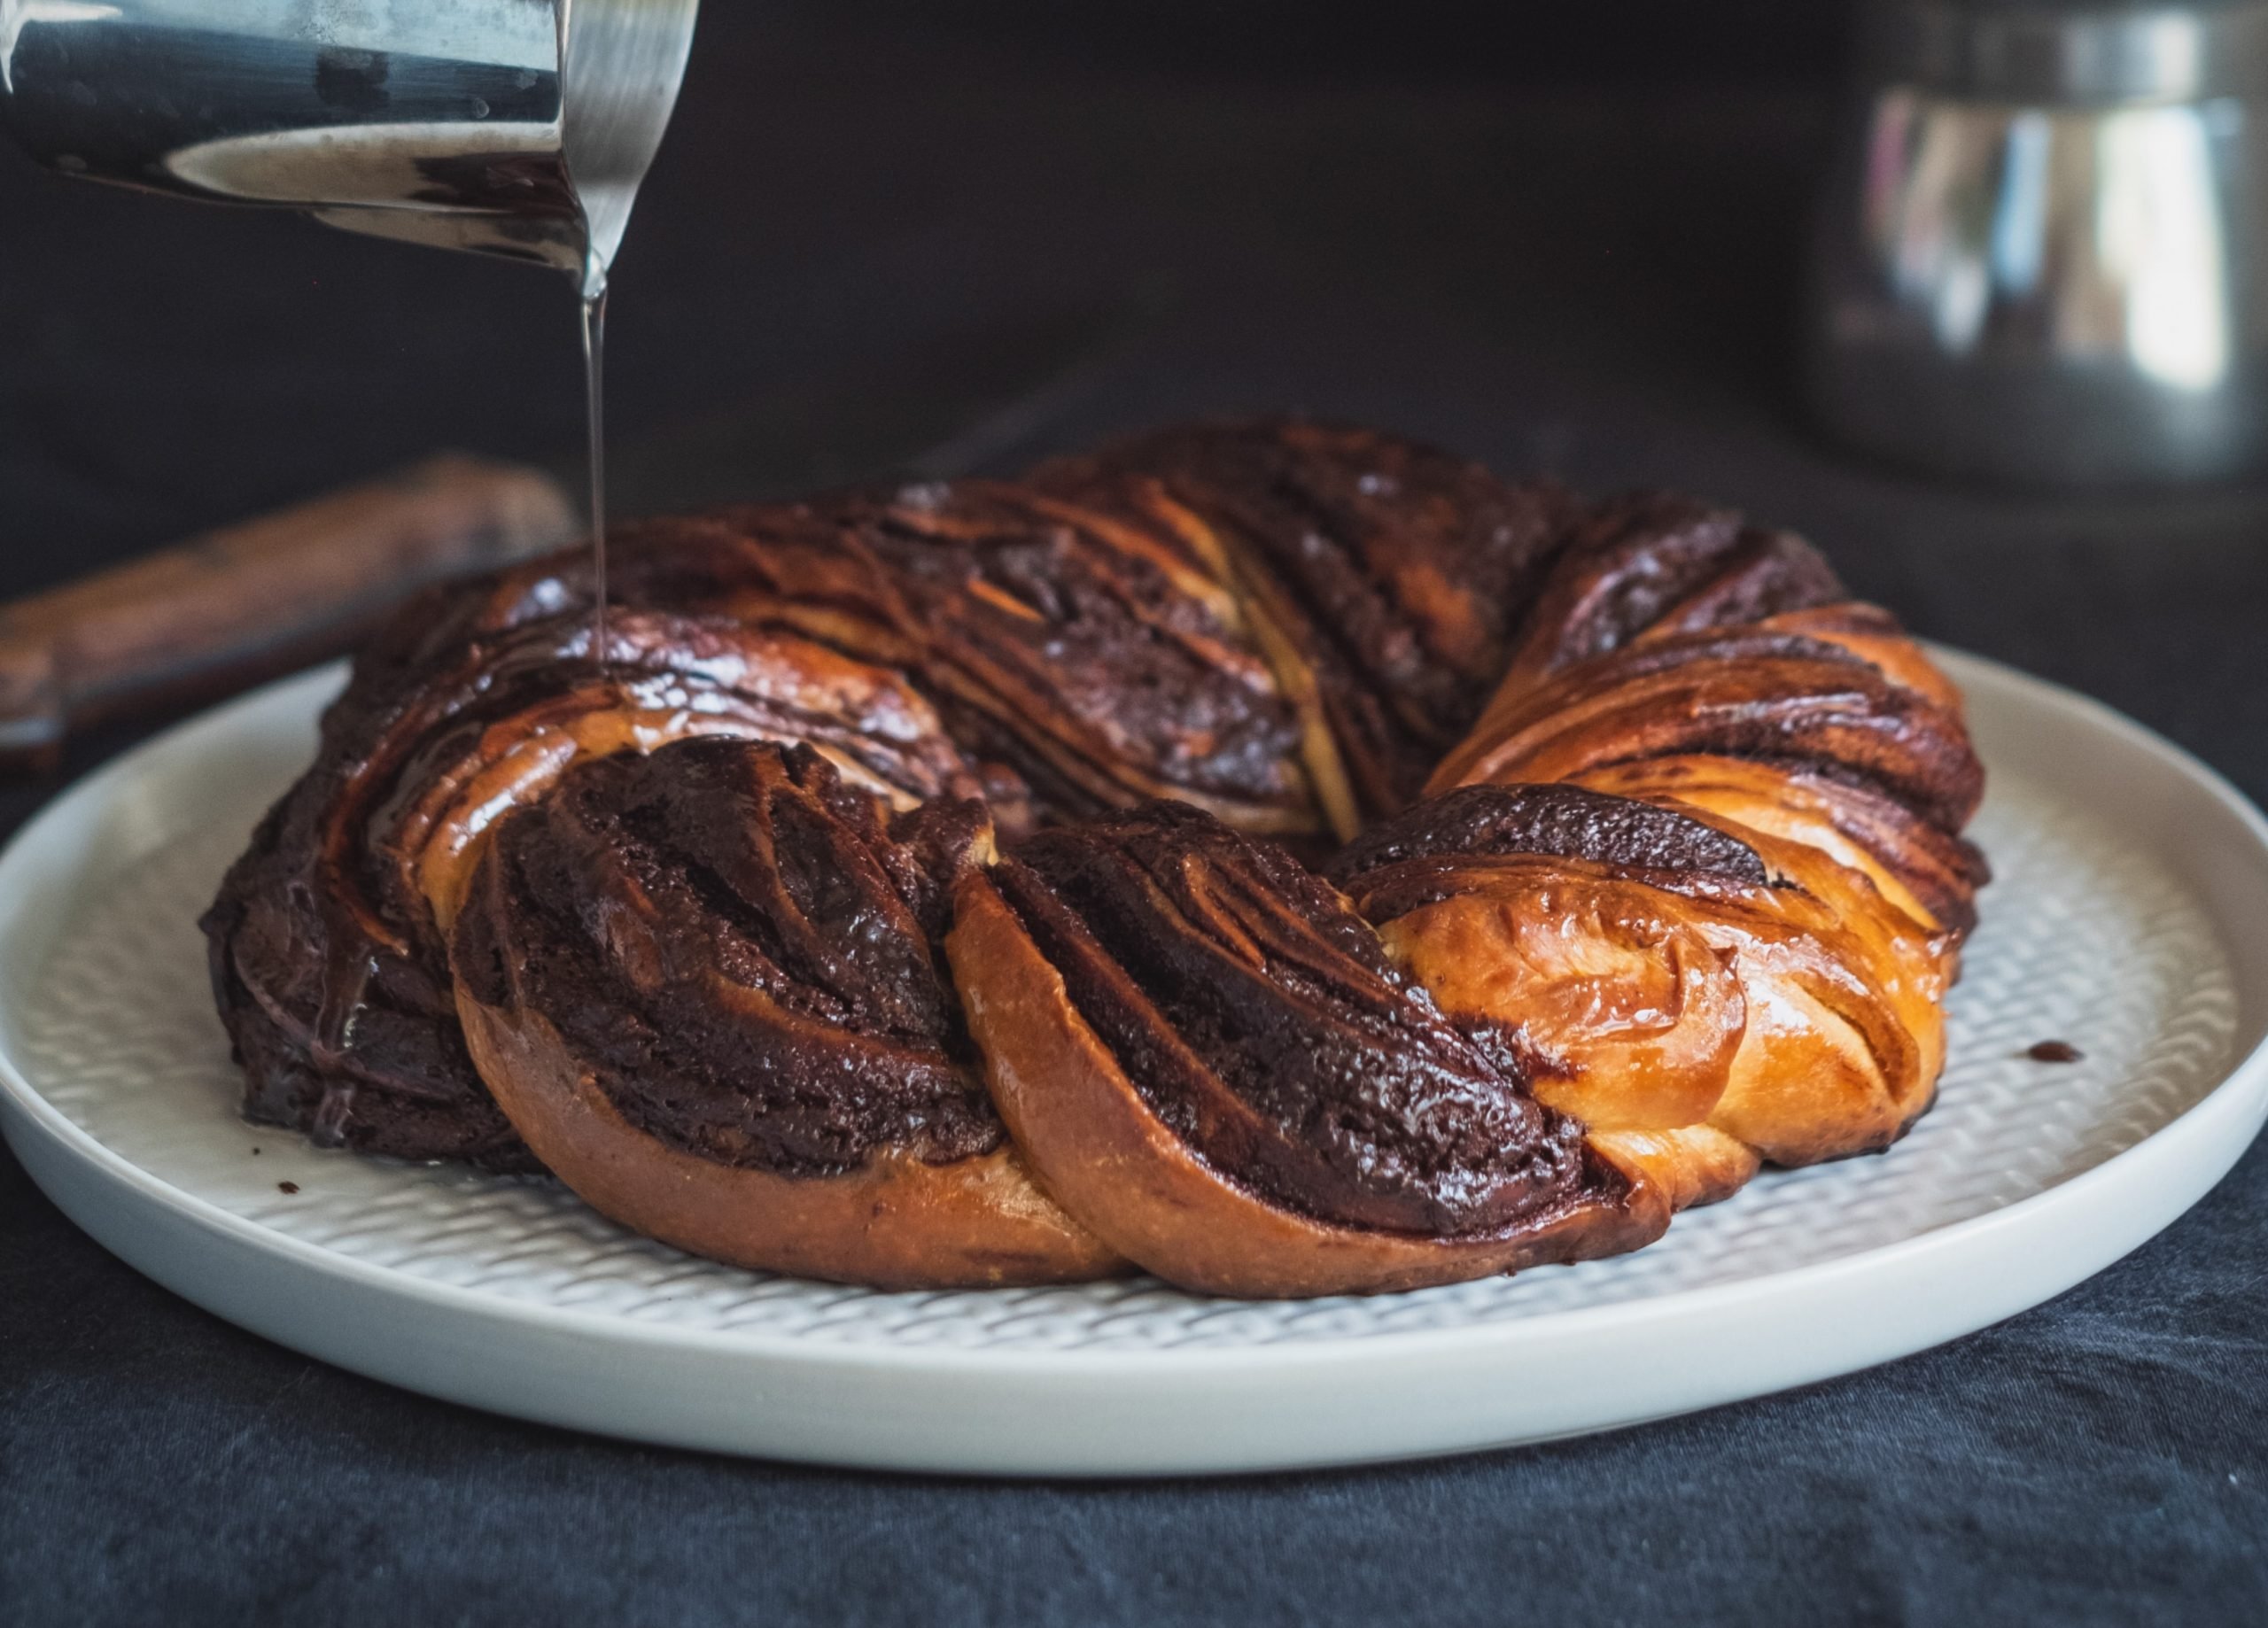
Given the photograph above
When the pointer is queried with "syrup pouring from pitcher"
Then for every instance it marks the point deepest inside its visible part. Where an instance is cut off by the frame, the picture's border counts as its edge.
(513, 127)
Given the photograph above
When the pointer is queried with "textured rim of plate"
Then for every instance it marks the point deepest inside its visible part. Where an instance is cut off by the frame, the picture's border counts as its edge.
(1209, 1410)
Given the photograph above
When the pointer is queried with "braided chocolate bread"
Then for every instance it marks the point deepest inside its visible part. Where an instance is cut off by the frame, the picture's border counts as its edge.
(1275, 855)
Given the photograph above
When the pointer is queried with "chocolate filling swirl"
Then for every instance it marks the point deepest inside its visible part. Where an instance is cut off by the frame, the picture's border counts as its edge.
(1259, 1017)
(325, 954)
(1395, 572)
(741, 951)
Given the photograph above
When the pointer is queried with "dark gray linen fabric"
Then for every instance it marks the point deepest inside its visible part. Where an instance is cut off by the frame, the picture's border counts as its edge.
(846, 228)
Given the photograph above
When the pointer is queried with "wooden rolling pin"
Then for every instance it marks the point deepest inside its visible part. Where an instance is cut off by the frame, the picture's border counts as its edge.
(251, 601)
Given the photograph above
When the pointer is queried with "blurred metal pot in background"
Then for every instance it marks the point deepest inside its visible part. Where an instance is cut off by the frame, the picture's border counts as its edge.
(2043, 253)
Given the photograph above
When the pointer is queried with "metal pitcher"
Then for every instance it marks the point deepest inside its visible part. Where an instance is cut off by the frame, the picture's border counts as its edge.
(520, 128)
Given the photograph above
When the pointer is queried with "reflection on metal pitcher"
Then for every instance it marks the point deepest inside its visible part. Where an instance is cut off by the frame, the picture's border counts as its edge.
(520, 128)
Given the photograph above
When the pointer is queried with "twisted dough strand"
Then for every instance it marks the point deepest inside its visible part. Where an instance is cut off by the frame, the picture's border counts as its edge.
(1808, 728)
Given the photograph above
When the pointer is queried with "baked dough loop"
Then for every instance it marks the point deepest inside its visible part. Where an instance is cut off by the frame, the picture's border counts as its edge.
(1279, 857)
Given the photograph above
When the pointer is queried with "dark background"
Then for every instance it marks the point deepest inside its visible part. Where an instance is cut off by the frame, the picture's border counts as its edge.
(1561, 238)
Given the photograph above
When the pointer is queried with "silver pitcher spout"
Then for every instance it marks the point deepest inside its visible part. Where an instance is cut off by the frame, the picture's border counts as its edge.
(518, 127)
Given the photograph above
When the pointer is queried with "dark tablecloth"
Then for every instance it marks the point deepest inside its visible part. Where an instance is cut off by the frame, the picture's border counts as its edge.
(851, 246)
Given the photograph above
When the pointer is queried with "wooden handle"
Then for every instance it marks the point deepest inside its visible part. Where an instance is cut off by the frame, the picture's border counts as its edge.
(257, 599)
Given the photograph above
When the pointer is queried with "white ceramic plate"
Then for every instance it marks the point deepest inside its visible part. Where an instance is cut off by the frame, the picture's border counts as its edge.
(2130, 918)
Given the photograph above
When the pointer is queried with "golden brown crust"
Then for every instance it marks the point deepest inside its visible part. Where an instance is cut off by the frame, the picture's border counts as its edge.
(894, 1222)
(1118, 1167)
(1803, 1019)
(1793, 1015)
(1692, 1166)
(1800, 1014)
(1627, 1013)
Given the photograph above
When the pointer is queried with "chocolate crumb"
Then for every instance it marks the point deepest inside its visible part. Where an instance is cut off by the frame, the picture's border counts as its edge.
(287, 1187)
(2054, 1052)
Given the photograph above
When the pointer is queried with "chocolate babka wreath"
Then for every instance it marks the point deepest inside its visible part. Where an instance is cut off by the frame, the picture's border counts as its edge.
(1276, 856)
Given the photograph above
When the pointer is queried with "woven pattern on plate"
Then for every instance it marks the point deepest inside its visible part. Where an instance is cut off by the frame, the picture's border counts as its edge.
(2085, 940)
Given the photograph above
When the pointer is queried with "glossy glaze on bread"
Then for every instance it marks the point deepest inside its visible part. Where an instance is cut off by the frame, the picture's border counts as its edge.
(923, 890)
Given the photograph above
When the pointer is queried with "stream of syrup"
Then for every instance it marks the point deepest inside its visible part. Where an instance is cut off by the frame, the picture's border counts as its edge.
(594, 406)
